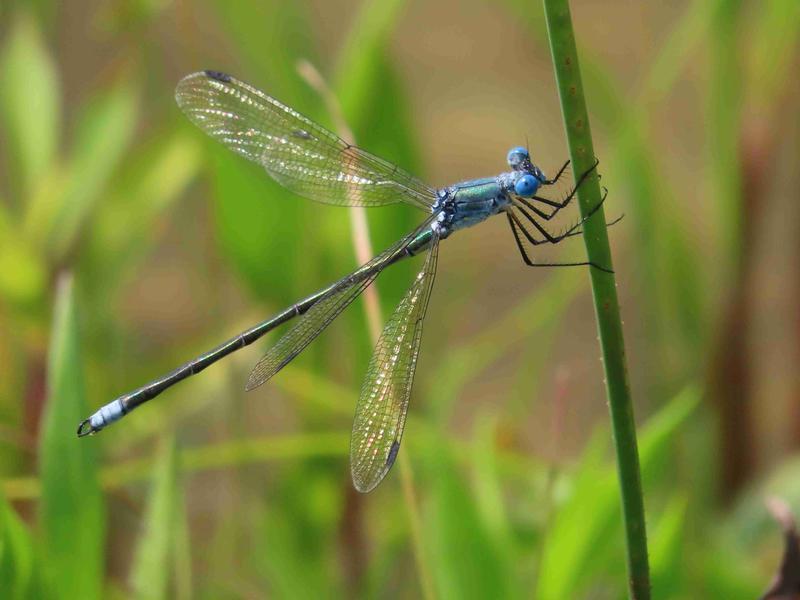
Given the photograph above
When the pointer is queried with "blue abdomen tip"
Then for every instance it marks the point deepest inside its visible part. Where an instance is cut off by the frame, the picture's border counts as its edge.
(219, 76)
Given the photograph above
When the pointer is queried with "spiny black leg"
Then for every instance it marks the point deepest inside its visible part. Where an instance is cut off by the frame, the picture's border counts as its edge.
(583, 177)
(539, 212)
(587, 217)
(555, 239)
(579, 231)
(595, 209)
(587, 263)
(587, 172)
(549, 238)
(558, 175)
(559, 205)
(515, 219)
(513, 222)
(521, 248)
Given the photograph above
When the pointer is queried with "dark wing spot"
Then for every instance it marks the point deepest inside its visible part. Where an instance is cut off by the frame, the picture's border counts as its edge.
(392, 454)
(219, 76)
(302, 134)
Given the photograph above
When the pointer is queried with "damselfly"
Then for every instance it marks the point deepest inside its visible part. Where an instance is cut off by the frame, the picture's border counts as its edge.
(313, 162)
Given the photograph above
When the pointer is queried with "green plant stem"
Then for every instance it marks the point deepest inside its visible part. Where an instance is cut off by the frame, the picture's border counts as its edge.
(609, 323)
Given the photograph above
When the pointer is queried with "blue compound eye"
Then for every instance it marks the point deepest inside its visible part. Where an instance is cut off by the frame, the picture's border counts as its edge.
(516, 156)
(526, 186)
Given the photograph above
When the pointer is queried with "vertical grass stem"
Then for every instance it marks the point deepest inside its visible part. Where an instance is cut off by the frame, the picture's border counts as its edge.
(604, 291)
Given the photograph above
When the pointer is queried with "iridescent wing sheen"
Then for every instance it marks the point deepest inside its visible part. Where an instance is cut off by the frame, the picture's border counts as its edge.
(383, 404)
(324, 311)
(301, 155)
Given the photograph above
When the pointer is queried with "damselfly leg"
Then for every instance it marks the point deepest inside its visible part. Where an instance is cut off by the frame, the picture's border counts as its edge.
(518, 227)
(549, 237)
(555, 179)
(557, 205)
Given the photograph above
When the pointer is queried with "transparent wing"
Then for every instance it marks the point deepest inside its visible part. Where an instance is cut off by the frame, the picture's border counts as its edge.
(310, 325)
(382, 407)
(324, 311)
(301, 155)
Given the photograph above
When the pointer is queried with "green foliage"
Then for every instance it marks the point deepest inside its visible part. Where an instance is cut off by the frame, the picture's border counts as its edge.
(153, 565)
(478, 569)
(102, 134)
(129, 243)
(18, 569)
(248, 207)
(255, 217)
(149, 185)
(72, 510)
(29, 102)
(666, 546)
(22, 270)
(583, 528)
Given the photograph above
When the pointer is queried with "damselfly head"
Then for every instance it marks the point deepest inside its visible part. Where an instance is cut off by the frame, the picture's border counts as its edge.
(518, 157)
(527, 177)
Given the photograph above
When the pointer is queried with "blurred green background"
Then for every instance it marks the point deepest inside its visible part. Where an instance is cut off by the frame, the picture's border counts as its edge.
(129, 243)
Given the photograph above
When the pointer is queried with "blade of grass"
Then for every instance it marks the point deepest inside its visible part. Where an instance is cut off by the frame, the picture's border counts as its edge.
(71, 512)
(604, 291)
(17, 558)
(182, 548)
(773, 52)
(55, 220)
(23, 274)
(578, 531)
(292, 566)
(465, 560)
(29, 103)
(150, 575)
(580, 535)
(152, 180)
(487, 489)
(667, 547)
